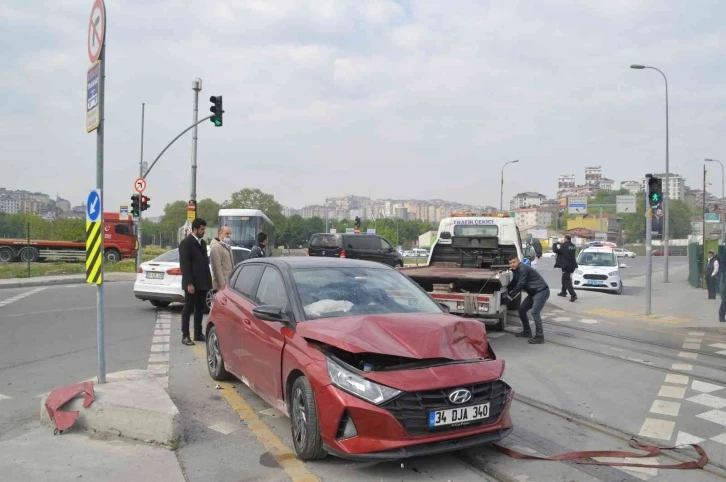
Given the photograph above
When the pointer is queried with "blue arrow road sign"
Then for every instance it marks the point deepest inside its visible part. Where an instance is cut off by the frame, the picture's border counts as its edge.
(93, 206)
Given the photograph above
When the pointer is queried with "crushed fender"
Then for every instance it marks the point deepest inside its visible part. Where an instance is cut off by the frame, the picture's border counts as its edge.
(60, 396)
(584, 457)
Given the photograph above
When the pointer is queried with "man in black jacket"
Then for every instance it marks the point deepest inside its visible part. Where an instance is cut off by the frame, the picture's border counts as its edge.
(567, 262)
(196, 279)
(527, 279)
(259, 250)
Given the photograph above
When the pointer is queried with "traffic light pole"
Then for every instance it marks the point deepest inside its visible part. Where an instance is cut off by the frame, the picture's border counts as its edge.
(196, 87)
(648, 248)
(141, 173)
(172, 142)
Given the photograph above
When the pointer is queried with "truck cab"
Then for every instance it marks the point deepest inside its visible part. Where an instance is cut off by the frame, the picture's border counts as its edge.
(468, 266)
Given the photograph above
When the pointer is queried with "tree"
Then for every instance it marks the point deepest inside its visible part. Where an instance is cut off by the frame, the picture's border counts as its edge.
(248, 198)
(208, 209)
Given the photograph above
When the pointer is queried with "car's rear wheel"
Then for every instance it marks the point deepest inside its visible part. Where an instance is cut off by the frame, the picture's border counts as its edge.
(215, 361)
(159, 303)
(304, 417)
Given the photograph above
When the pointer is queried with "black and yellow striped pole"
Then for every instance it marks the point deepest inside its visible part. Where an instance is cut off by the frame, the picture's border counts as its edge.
(94, 252)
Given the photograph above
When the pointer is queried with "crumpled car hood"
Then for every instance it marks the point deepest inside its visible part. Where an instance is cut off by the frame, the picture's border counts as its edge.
(411, 335)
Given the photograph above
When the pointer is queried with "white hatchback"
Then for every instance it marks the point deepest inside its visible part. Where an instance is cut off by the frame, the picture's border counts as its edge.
(159, 280)
(598, 269)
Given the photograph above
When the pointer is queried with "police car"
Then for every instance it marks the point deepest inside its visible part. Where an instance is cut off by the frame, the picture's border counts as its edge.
(598, 269)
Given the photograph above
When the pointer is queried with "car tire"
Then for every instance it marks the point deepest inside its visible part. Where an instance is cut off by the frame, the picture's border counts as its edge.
(619, 291)
(112, 256)
(6, 255)
(499, 326)
(210, 299)
(159, 303)
(215, 360)
(306, 439)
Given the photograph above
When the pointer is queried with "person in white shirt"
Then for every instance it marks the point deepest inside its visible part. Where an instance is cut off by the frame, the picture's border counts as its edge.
(711, 275)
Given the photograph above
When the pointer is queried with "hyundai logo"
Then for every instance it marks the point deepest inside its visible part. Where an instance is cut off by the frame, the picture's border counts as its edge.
(462, 395)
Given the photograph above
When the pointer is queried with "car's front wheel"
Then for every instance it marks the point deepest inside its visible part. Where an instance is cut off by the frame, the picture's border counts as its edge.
(304, 417)
(619, 291)
(215, 361)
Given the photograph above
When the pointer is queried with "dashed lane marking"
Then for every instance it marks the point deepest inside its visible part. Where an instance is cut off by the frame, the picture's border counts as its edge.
(293, 467)
(685, 438)
(225, 428)
(668, 391)
(705, 387)
(657, 428)
(665, 320)
(661, 407)
(159, 357)
(710, 401)
(680, 379)
(682, 367)
(20, 296)
(715, 416)
(4, 397)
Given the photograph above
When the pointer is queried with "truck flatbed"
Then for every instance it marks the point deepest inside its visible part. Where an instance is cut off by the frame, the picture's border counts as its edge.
(450, 272)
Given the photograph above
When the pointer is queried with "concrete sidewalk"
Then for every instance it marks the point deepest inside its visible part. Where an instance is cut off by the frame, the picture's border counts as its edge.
(61, 280)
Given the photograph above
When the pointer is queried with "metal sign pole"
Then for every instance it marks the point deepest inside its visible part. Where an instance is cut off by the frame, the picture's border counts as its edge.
(648, 249)
(100, 301)
(141, 174)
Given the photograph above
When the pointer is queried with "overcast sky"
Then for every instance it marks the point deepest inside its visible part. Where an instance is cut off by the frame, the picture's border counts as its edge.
(405, 99)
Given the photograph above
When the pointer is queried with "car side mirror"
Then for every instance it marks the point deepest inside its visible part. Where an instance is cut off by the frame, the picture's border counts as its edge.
(270, 313)
(445, 235)
(623, 265)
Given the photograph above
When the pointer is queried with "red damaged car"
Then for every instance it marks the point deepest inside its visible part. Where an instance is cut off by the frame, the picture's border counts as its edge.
(363, 361)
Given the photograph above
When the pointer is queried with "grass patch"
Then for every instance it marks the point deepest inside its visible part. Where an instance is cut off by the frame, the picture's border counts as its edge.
(20, 270)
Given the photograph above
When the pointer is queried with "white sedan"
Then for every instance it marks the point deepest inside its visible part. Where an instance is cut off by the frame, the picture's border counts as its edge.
(549, 254)
(159, 280)
(623, 253)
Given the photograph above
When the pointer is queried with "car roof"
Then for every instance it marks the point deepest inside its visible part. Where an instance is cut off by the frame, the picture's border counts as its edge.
(294, 262)
(597, 249)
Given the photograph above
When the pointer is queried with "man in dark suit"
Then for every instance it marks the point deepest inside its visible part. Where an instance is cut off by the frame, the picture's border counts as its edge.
(259, 250)
(196, 279)
(567, 262)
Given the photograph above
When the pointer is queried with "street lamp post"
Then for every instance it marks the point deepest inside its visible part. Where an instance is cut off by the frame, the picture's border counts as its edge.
(501, 187)
(723, 238)
(666, 197)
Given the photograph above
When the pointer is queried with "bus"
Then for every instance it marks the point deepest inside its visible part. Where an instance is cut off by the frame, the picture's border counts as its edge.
(246, 224)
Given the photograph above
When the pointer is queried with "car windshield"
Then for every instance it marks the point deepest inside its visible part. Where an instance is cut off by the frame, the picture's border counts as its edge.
(240, 255)
(597, 259)
(335, 292)
(168, 257)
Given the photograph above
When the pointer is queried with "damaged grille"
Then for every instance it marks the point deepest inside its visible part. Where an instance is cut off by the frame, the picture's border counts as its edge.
(412, 409)
(596, 276)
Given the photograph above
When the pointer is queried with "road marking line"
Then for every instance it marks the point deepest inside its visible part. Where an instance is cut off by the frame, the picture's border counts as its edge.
(720, 438)
(710, 401)
(293, 467)
(668, 391)
(661, 407)
(160, 348)
(20, 296)
(159, 358)
(722, 352)
(715, 416)
(691, 346)
(225, 428)
(685, 354)
(588, 321)
(160, 339)
(694, 340)
(657, 428)
(696, 333)
(162, 369)
(684, 367)
(718, 345)
(681, 379)
(705, 387)
(665, 320)
(4, 397)
(687, 439)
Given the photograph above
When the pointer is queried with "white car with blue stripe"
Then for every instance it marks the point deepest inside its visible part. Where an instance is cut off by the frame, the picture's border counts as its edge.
(598, 269)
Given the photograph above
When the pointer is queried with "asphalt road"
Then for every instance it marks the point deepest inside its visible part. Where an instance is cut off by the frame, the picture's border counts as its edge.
(594, 374)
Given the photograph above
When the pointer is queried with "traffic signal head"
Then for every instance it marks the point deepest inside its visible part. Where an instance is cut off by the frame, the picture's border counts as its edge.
(135, 205)
(357, 222)
(655, 191)
(145, 202)
(216, 110)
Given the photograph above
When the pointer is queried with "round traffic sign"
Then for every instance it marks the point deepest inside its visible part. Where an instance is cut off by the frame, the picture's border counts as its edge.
(96, 30)
(140, 185)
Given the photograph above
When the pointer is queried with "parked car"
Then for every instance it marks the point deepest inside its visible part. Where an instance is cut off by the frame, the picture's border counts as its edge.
(657, 252)
(623, 253)
(159, 280)
(368, 247)
(598, 268)
(328, 342)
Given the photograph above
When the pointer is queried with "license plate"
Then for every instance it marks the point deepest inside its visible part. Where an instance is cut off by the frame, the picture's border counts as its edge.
(154, 275)
(596, 283)
(461, 415)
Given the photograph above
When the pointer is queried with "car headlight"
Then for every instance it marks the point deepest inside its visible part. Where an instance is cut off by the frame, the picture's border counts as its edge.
(613, 273)
(357, 385)
(577, 271)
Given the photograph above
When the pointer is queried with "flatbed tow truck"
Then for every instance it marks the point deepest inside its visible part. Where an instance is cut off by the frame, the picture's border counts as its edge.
(468, 269)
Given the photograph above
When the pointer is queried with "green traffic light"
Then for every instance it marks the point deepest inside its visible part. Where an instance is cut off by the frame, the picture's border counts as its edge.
(216, 121)
(654, 196)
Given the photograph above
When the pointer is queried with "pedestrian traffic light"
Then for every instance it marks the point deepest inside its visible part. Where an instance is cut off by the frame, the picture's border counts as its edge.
(145, 202)
(135, 205)
(655, 191)
(216, 110)
(357, 222)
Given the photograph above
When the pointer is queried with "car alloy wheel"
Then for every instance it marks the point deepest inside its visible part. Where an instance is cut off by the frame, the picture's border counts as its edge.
(304, 417)
(215, 362)
(620, 289)
(299, 417)
(210, 299)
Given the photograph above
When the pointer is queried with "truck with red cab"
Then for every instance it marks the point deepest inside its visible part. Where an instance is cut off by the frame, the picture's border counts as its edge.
(119, 240)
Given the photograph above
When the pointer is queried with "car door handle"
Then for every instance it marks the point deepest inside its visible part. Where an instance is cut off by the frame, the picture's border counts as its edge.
(247, 322)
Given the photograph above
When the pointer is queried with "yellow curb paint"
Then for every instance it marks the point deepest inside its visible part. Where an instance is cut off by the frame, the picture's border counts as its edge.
(662, 320)
(293, 467)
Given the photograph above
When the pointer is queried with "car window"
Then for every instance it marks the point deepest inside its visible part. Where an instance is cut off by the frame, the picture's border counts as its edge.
(479, 230)
(363, 241)
(335, 292)
(168, 257)
(597, 259)
(245, 282)
(122, 229)
(239, 255)
(324, 241)
(385, 245)
(272, 290)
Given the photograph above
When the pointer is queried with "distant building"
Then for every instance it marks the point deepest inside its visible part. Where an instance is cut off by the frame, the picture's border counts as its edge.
(528, 217)
(526, 200)
(606, 184)
(593, 175)
(63, 205)
(565, 181)
(8, 205)
(633, 187)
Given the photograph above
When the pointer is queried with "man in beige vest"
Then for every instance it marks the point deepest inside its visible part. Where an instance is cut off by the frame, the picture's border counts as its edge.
(221, 258)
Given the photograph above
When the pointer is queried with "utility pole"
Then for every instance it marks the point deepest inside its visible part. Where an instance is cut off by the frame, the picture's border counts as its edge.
(141, 174)
(703, 225)
(648, 247)
(196, 87)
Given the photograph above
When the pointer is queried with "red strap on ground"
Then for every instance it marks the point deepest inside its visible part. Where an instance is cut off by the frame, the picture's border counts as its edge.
(581, 457)
(60, 396)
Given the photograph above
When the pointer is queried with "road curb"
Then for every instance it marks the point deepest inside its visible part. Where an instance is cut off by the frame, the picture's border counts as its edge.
(61, 280)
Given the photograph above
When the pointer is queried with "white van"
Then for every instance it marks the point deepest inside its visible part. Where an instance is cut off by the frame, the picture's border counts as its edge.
(599, 269)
